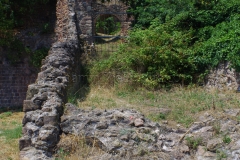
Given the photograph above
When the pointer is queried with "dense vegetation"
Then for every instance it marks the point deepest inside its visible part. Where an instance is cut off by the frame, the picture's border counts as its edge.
(177, 41)
(16, 15)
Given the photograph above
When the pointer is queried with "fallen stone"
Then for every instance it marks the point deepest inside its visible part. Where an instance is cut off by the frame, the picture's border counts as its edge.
(214, 144)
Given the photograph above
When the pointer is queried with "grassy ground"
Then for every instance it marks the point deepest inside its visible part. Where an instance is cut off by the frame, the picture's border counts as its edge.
(10, 132)
(179, 105)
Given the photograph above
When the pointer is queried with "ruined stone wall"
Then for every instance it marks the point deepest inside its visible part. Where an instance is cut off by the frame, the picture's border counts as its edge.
(45, 99)
(87, 12)
(223, 77)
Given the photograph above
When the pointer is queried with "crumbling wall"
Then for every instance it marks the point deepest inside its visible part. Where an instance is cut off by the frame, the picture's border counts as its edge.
(43, 106)
(87, 11)
(223, 77)
(45, 99)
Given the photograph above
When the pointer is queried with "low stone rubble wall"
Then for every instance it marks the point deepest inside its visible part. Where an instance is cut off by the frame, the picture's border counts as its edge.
(45, 99)
(125, 134)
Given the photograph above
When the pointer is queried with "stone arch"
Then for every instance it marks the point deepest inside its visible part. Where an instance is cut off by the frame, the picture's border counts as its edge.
(89, 10)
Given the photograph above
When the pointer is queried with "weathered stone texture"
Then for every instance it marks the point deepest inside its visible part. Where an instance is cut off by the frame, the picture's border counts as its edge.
(125, 134)
(223, 77)
(43, 106)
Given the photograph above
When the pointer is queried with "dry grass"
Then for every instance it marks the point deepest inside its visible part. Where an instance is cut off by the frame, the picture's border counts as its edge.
(73, 147)
(10, 122)
(185, 104)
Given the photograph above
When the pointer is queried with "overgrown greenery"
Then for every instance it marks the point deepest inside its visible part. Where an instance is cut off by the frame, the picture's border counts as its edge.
(176, 41)
(193, 142)
(107, 25)
(14, 15)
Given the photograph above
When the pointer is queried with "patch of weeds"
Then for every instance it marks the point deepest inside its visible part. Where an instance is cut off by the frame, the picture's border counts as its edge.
(5, 114)
(72, 99)
(226, 139)
(217, 128)
(150, 96)
(61, 154)
(221, 155)
(122, 94)
(4, 123)
(186, 120)
(11, 134)
(14, 123)
(197, 109)
(93, 107)
(157, 117)
(37, 56)
(193, 143)
(96, 99)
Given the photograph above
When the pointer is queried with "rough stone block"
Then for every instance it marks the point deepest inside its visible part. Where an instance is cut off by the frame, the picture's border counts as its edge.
(28, 105)
(24, 142)
(52, 120)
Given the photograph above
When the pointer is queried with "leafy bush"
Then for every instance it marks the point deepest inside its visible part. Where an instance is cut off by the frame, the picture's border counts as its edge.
(107, 25)
(176, 42)
(15, 14)
(37, 56)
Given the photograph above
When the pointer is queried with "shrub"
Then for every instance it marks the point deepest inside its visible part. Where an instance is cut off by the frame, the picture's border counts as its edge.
(180, 46)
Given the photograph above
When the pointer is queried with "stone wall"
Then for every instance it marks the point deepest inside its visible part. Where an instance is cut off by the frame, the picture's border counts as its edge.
(13, 83)
(45, 99)
(87, 11)
(223, 77)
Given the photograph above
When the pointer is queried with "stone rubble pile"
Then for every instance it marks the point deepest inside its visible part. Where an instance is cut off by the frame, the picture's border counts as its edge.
(127, 134)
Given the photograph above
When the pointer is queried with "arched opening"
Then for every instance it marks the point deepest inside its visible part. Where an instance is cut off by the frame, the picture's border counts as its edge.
(107, 24)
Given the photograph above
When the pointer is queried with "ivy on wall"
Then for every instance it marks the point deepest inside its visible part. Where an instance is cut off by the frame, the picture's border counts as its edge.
(16, 15)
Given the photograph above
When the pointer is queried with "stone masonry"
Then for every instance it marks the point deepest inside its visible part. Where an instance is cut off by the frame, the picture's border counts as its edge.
(43, 106)
(45, 99)
(223, 77)
(13, 83)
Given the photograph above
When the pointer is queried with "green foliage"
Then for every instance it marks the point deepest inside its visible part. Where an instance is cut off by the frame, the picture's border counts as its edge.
(157, 117)
(226, 139)
(14, 14)
(221, 154)
(6, 15)
(61, 154)
(37, 56)
(193, 143)
(11, 134)
(5, 114)
(176, 42)
(217, 128)
(17, 51)
(107, 25)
